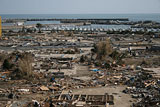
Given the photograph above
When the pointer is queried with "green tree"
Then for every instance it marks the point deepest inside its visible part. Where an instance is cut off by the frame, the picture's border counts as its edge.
(39, 26)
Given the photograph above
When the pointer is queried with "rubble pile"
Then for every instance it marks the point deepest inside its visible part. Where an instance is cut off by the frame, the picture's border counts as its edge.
(50, 67)
(145, 88)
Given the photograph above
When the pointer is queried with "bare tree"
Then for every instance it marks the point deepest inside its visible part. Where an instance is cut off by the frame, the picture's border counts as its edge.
(104, 49)
(25, 65)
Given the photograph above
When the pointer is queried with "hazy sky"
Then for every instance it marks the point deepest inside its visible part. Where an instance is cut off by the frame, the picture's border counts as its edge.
(78, 6)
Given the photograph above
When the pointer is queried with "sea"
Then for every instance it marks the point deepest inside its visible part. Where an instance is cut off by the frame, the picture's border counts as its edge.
(131, 17)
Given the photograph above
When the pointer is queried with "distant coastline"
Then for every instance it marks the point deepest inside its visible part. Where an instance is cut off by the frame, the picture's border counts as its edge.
(131, 17)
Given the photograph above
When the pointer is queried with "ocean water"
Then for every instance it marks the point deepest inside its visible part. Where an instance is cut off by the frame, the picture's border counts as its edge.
(132, 17)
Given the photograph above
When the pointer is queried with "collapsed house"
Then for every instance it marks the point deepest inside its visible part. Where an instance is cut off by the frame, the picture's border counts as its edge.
(82, 100)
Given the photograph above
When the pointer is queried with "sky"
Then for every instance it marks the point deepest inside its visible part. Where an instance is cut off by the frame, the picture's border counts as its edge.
(78, 6)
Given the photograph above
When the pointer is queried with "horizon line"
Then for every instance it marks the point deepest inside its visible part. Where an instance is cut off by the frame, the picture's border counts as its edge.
(69, 13)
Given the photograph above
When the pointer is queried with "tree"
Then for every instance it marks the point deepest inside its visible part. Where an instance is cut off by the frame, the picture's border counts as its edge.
(24, 68)
(94, 50)
(104, 49)
(39, 26)
(7, 65)
(23, 29)
(82, 59)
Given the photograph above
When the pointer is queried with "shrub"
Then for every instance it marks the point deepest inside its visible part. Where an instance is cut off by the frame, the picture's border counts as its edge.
(7, 65)
(82, 59)
(24, 69)
(103, 49)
